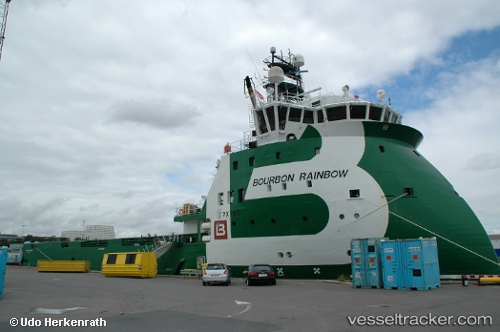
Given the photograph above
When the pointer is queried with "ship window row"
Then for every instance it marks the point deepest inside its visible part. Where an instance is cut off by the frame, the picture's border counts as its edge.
(251, 160)
(230, 197)
(269, 120)
(353, 193)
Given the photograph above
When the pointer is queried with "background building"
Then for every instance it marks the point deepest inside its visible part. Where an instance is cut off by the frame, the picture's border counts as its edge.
(92, 232)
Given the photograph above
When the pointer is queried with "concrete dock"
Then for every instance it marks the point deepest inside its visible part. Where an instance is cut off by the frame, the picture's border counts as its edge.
(91, 302)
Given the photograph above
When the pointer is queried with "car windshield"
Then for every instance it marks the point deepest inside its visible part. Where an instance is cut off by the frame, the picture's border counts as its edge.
(215, 267)
(262, 268)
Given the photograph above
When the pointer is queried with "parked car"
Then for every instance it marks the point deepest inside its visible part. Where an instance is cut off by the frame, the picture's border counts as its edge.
(216, 273)
(260, 273)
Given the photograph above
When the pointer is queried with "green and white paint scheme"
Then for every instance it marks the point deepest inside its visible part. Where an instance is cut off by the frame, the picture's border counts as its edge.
(320, 171)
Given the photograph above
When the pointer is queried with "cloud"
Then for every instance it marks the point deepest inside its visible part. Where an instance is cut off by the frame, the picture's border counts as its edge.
(483, 162)
(162, 114)
(459, 127)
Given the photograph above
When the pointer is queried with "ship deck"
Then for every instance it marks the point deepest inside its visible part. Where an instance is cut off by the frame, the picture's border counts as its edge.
(182, 304)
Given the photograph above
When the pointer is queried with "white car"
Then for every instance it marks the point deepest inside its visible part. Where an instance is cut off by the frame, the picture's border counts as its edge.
(216, 273)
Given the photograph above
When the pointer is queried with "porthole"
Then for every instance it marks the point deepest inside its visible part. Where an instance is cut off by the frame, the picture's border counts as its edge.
(304, 218)
(273, 221)
(280, 254)
(341, 216)
(356, 215)
(252, 221)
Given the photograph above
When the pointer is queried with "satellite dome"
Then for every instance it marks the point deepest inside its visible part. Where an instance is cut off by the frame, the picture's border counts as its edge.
(380, 94)
(299, 60)
(276, 75)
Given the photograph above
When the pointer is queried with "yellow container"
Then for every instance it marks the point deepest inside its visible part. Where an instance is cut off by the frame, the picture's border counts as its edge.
(62, 266)
(489, 280)
(130, 264)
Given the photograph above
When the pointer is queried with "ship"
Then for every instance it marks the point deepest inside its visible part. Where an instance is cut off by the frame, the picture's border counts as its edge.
(313, 172)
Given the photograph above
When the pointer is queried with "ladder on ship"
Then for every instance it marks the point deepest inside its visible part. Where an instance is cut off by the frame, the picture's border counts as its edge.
(162, 249)
(159, 248)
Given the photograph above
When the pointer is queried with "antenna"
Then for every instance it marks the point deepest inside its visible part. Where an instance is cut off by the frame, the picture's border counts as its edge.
(256, 70)
(4, 11)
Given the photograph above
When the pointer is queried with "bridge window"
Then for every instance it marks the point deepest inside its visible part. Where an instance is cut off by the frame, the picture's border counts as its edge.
(282, 117)
(251, 161)
(270, 118)
(375, 113)
(387, 115)
(235, 165)
(357, 111)
(262, 122)
(295, 114)
(336, 113)
(321, 117)
(308, 117)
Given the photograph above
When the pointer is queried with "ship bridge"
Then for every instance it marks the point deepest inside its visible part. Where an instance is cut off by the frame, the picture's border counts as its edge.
(289, 109)
(279, 121)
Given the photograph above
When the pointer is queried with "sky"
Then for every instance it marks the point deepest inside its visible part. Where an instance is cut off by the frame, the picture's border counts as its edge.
(115, 112)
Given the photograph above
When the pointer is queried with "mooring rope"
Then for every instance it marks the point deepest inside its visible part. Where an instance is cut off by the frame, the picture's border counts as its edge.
(378, 207)
(433, 233)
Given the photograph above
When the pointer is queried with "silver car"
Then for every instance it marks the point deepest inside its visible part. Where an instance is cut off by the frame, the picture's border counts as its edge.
(216, 273)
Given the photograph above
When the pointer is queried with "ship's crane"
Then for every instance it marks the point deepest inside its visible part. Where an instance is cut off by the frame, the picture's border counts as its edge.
(4, 11)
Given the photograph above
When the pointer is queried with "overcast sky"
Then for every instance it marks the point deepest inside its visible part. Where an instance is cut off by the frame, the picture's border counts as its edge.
(115, 112)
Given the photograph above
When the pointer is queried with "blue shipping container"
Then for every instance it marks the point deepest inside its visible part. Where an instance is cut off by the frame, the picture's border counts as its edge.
(391, 265)
(365, 262)
(410, 264)
(3, 267)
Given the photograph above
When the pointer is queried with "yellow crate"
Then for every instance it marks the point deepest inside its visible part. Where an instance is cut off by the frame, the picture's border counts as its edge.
(62, 266)
(130, 264)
